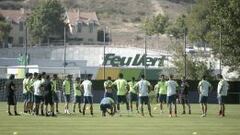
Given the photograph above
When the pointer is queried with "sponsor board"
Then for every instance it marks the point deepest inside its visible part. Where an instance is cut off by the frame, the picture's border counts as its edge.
(139, 60)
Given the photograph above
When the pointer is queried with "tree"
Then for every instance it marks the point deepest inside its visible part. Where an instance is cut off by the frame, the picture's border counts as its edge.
(225, 21)
(178, 28)
(210, 19)
(5, 29)
(46, 20)
(195, 68)
(197, 23)
(155, 25)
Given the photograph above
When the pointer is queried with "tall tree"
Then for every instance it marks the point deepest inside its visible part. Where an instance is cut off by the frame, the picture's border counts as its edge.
(178, 28)
(155, 25)
(195, 68)
(211, 20)
(225, 21)
(5, 29)
(197, 22)
(46, 19)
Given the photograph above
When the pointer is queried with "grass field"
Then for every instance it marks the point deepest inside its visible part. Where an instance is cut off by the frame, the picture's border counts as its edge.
(133, 124)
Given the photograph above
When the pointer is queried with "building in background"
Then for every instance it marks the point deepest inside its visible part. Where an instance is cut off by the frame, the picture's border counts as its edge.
(17, 19)
(82, 27)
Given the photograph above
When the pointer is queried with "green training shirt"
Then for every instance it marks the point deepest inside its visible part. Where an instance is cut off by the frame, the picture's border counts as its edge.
(162, 87)
(67, 87)
(77, 89)
(121, 86)
(108, 85)
(54, 85)
(131, 87)
(29, 84)
(24, 85)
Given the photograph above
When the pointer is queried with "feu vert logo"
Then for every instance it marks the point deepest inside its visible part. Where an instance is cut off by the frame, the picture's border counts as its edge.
(138, 60)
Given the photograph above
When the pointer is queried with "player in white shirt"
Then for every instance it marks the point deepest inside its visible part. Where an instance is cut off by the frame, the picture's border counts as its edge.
(222, 91)
(43, 75)
(143, 86)
(25, 94)
(30, 96)
(203, 88)
(37, 94)
(172, 87)
(88, 96)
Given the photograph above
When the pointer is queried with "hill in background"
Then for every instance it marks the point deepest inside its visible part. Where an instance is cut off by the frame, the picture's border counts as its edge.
(122, 17)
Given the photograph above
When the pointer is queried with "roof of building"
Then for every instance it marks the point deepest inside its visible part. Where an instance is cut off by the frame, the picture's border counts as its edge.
(73, 16)
(85, 17)
(15, 15)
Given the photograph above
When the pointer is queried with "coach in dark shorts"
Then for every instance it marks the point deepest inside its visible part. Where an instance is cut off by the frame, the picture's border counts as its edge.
(162, 98)
(78, 99)
(221, 102)
(144, 100)
(203, 99)
(88, 100)
(67, 98)
(48, 96)
(171, 99)
(133, 97)
(184, 88)
(221, 99)
(38, 99)
(109, 94)
(48, 93)
(122, 99)
(11, 97)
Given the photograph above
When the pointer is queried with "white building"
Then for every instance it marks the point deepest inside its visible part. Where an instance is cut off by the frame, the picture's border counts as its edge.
(83, 27)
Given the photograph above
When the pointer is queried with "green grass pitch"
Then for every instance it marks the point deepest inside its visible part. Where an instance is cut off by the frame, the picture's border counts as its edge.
(134, 124)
